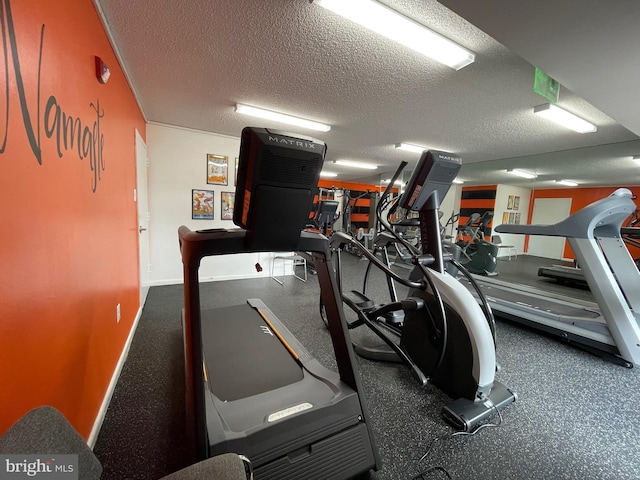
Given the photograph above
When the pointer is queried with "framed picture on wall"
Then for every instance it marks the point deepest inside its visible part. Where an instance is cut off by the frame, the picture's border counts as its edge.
(505, 217)
(510, 202)
(512, 217)
(202, 204)
(226, 205)
(517, 218)
(516, 202)
(217, 169)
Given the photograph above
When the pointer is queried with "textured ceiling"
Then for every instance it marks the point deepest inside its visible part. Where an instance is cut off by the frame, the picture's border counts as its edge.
(190, 62)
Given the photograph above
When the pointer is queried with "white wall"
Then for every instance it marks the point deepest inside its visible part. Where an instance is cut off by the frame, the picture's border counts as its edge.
(547, 211)
(449, 205)
(503, 193)
(178, 164)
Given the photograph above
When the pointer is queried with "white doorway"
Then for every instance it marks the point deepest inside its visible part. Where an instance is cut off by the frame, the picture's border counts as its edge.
(547, 211)
(142, 164)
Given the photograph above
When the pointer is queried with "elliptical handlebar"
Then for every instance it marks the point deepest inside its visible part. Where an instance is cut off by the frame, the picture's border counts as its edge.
(383, 202)
(338, 239)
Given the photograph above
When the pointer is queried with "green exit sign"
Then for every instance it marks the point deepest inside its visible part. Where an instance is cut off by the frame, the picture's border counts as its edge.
(546, 86)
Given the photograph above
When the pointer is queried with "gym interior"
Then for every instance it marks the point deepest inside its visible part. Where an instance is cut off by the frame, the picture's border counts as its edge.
(109, 156)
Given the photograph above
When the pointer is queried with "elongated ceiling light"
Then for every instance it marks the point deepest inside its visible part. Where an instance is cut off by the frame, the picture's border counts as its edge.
(568, 183)
(457, 182)
(349, 163)
(410, 148)
(564, 118)
(522, 173)
(328, 174)
(636, 158)
(391, 24)
(281, 117)
(397, 182)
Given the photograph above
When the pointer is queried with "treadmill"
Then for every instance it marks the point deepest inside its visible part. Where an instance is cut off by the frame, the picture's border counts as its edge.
(574, 275)
(563, 274)
(251, 387)
(610, 327)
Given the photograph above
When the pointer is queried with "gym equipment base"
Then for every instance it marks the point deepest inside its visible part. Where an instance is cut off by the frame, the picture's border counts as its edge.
(466, 415)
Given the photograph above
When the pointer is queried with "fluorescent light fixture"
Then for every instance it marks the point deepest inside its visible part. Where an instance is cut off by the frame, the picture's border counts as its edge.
(522, 173)
(458, 182)
(410, 148)
(564, 118)
(281, 117)
(349, 163)
(568, 183)
(391, 24)
(328, 174)
(397, 182)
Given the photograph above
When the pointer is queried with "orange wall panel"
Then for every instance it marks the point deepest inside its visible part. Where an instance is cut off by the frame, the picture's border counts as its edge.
(68, 254)
(359, 187)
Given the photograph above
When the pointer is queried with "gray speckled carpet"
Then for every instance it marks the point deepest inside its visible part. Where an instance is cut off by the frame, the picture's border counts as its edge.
(576, 416)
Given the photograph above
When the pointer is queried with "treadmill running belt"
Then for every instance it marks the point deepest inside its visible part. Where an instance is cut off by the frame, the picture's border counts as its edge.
(242, 356)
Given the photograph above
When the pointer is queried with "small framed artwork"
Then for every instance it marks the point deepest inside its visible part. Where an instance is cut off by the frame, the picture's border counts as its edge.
(516, 202)
(517, 218)
(505, 217)
(226, 205)
(512, 218)
(217, 169)
(510, 202)
(202, 204)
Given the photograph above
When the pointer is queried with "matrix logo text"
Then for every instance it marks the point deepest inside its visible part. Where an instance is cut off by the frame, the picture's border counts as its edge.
(50, 467)
(296, 143)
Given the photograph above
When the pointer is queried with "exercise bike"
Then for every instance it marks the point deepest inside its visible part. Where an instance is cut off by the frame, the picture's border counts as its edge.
(442, 334)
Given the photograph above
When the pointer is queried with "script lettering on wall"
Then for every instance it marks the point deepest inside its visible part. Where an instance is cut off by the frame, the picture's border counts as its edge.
(71, 133)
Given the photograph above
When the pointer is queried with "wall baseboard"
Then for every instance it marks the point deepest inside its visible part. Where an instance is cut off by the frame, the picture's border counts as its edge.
(97, 425)
(180, 281)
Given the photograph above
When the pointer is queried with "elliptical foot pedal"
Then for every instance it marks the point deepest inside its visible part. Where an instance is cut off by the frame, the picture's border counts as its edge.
(361, 301)
(466, 415)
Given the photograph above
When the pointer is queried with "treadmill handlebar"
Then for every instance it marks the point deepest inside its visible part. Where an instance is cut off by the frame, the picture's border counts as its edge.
(407, 222)
(338, 239)
(195, 245)
(549, 230)
(602, 218)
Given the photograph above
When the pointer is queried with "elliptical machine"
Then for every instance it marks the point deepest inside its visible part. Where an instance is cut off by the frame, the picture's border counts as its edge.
(445, 337)
(481, 255)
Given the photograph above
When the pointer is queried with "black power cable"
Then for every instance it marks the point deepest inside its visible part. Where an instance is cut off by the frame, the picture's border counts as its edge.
(429, 470)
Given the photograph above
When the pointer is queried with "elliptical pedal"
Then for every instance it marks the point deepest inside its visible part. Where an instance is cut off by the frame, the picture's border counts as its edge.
(363, 302)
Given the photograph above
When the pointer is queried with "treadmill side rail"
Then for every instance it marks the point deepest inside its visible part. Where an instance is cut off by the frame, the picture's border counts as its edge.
(603, 282)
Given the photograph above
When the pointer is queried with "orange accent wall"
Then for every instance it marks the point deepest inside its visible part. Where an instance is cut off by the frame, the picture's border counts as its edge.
(479, 204)
(580, 198)
(69, 248)
(359, 187)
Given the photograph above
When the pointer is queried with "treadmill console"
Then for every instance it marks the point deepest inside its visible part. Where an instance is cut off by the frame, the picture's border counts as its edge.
(278, 175)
